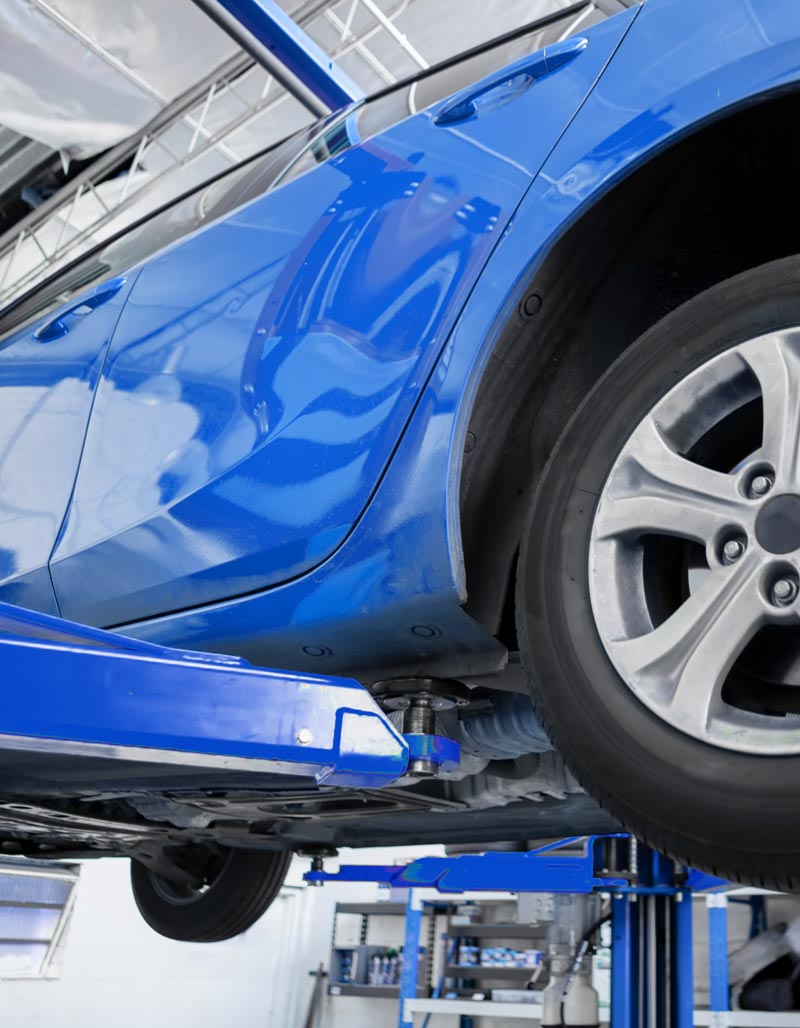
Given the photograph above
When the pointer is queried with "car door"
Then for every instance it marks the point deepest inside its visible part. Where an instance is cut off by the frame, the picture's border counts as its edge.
(264, 367)
(52, 346)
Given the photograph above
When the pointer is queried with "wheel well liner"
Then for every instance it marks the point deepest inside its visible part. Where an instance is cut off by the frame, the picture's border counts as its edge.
(718, 201)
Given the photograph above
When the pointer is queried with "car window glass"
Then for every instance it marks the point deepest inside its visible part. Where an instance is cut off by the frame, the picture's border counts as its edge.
(157, 230)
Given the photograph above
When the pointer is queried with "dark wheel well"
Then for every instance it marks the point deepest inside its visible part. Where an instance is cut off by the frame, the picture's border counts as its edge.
(719, 201)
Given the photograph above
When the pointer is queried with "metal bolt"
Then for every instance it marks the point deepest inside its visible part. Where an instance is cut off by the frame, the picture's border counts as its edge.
(305, 736)
(732, 551)
(760, 485)
(784, 591)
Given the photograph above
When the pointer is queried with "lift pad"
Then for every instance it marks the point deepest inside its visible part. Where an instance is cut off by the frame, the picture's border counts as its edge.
(68, 690)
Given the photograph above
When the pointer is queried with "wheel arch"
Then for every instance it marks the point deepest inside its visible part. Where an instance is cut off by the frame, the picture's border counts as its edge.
(718, 200)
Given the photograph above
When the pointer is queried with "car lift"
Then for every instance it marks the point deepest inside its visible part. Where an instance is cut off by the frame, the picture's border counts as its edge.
(98, 696)
(652, 981)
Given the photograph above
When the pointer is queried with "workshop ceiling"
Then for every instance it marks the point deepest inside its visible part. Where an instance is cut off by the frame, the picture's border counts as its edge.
(111, 108)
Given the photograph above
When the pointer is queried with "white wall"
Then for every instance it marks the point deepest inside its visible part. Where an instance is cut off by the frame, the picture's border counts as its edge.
(115, 970)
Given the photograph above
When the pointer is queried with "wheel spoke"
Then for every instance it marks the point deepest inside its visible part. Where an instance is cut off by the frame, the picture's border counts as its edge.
(775, 361)
(654, 489)
(684, 662)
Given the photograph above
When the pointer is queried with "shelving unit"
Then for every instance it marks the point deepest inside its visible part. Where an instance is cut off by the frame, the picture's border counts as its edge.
(529, 1012)
(512, 974)
(493, 976)
(470, 1008)
(362, 952)
(494, 931)
(373, 991)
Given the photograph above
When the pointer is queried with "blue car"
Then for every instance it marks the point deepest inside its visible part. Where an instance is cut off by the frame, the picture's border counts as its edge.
(483, 391)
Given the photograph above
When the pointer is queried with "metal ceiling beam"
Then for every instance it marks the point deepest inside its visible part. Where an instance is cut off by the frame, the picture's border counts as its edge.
(289, 54)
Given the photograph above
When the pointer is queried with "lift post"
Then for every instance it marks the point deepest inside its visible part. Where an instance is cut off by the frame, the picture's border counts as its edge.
(652, 980)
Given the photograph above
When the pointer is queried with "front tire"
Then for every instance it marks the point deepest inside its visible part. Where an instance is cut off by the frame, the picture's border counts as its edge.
(661, 636)
(233, 889)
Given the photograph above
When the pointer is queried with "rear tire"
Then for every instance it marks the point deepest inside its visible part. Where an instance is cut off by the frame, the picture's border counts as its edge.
(721, 805)
(238, 887)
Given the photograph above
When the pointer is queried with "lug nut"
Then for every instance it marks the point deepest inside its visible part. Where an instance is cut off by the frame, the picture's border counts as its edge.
(784, 592)
(760, 486)
(732, 551)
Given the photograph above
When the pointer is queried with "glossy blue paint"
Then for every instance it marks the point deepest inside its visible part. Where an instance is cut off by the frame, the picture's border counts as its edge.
(409, 976)
(49, 369)
(521, 74)
(295, 49)
(718, 975)
(401, 567)
(96, 695)
(682, 933)
(264, 368)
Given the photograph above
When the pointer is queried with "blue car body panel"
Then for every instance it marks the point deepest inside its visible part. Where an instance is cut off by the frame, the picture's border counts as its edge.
(303, 508)
(263, 369)
(392, 595)
(49, 370)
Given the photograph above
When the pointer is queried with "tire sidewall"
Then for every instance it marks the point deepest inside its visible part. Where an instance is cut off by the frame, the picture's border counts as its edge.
(246, 886)
(676, 791)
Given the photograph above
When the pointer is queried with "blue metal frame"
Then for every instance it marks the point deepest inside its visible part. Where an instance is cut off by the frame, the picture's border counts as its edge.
(718, 978)
(659, 900)
(295, 49)
(682, 957)
(71, 690)
(409, 979)
(539, 870)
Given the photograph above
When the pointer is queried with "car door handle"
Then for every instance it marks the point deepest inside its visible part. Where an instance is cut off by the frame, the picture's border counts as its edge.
(58, 326)
(462, 105)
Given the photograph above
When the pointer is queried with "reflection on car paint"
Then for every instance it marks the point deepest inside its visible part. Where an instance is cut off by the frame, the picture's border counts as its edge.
(296, 335)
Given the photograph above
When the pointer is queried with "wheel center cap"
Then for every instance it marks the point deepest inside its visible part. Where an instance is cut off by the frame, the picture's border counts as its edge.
(778, 524)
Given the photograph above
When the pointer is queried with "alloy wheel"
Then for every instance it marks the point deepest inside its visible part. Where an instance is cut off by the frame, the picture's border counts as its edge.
(694, 558)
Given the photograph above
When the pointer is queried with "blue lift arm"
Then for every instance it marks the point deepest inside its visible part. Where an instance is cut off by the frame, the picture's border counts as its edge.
(72, 690)
(646, 976)
(539, 870)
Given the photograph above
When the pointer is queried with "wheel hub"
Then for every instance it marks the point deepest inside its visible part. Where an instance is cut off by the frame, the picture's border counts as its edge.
(778, 524)
(694, 556)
